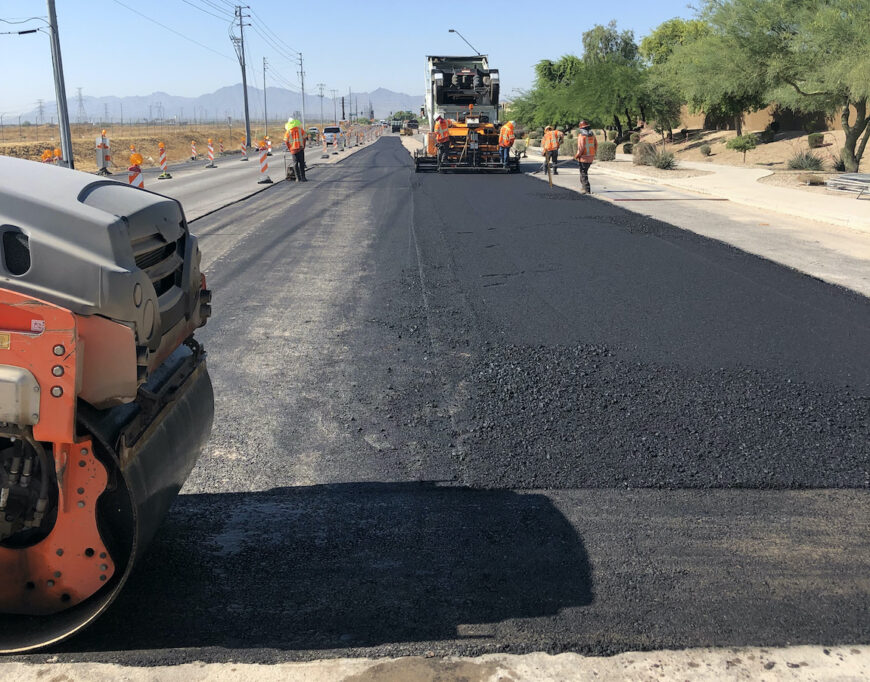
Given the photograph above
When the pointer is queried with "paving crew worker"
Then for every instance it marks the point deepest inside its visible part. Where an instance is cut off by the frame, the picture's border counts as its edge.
(506, 139)
(587, 147)
(550, 146)
(294, 138)
(442, 136)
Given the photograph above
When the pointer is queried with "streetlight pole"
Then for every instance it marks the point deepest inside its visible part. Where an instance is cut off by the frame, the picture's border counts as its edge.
(453, 30)
(60, 89)
(320, 87)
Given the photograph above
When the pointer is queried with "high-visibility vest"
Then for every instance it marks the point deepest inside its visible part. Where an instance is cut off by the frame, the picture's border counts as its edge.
(506, 136)
(294, 138)
(550, 143)
(441, 133)
(587, 147)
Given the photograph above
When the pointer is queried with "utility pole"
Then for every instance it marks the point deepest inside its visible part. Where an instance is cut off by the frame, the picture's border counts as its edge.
(320, 87)
(334, 109)
(59, 89)
(265, 111)
(239, 44)
(302, 81)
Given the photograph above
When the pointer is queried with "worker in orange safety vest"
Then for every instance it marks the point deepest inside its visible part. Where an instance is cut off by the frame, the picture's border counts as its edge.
(550, 146)
(587, 148)
(294, 138)
(506, 139)
(442, 135)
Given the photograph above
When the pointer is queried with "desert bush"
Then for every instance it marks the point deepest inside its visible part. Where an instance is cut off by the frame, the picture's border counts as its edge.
(606, 151)
(838, 164)
(805, 160)
(815, 140)
(568, 147)
(634, 138)
(520, 146)
(627, 147)
(611, 135)
(643, 154)
(705, 149)
(741, 143)
(664, 159)
(811, 179)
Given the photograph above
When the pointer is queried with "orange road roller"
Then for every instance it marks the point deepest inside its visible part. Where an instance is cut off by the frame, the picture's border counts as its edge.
(105, 400)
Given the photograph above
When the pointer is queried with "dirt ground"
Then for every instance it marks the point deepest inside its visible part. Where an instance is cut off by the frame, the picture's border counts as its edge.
(145, 138)
(773, 155)
(651, 171)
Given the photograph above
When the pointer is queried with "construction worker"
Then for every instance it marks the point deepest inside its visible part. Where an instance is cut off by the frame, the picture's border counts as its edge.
(294, 138)
(550, 146)
(442, 136)
(506, 139)
(587, 147)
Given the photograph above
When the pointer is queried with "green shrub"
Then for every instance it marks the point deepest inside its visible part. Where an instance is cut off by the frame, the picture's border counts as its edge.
(626, 148)
(643, 154)
(815, 140)
(664, 159)
(611, 135)
(705, 149)
(606, 151)
(568, 147)
(838, 164)
(520, 146)
(634, 138)
(805, 160)
(741, 143)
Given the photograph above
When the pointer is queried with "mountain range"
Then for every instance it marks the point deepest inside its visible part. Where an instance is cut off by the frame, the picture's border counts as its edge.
(224, 102)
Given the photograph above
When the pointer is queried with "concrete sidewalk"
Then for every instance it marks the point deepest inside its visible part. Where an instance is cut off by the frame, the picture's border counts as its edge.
(741, 186)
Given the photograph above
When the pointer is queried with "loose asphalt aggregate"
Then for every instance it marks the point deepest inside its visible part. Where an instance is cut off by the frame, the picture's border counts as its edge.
(460, 414)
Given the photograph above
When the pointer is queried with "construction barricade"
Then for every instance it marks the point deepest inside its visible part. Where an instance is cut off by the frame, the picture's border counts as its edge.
(134, 172)
(268, 146)
(264, 165)
(193, 150)
(210, 163)
(244, 149)
(103, 158)
(164, 175)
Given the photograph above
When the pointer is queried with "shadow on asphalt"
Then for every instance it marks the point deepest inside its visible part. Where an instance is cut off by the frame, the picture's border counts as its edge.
(346, 565)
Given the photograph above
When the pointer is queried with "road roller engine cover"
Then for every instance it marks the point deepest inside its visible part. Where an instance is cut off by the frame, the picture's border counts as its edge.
(105, 401)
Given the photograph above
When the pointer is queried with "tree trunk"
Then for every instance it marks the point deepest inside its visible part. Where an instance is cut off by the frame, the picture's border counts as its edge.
(850, 156)
(618, 126)
(738, 124)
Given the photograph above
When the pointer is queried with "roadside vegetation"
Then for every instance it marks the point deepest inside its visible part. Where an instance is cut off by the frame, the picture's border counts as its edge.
(737, 56)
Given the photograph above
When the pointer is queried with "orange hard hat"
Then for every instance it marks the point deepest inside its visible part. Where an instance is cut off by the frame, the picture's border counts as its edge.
(584, 124)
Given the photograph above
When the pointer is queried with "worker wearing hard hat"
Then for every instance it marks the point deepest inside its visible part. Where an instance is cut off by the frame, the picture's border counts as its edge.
(442, 135)
(587, 148)
(550, 146)
(506, 139)
(294, 138)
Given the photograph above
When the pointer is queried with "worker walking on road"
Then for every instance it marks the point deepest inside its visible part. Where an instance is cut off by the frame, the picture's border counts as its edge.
(550, 146)
(506, 139)
(442, 136)
(294, 138)
(587, 148)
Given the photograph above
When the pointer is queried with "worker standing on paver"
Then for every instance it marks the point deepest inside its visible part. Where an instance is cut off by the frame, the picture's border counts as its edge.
(294, 138)
(442, 135)
(587, 148)
(550, 146)
(506, 139)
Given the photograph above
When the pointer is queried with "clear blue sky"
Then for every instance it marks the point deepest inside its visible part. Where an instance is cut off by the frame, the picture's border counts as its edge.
(110, 50)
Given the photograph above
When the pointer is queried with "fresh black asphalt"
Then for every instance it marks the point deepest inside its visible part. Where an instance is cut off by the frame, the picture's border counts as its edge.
(470, 414)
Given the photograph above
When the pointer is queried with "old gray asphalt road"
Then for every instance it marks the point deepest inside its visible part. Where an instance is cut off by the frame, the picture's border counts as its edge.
(467, 414)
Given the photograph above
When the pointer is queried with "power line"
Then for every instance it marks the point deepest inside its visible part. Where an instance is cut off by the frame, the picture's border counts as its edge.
(272, 33)
(205, 11)
(272, 44)
(171, 30)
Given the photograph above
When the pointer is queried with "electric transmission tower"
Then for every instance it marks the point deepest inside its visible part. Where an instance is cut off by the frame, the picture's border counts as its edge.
(81, 114)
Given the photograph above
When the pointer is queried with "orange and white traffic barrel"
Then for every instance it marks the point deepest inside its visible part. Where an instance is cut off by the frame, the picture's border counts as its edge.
(210, 155)
(165, 175)
(264, 167)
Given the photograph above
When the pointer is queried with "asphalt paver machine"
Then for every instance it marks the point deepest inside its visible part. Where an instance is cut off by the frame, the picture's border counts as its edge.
(105, 401)
(465, 91)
